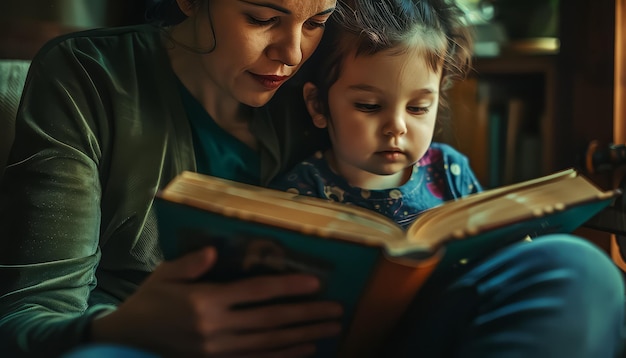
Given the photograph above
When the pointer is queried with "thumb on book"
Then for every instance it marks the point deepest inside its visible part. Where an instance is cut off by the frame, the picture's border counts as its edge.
(188, 267)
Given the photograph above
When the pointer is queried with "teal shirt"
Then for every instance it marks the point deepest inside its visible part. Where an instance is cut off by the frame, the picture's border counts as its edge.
(218, 152)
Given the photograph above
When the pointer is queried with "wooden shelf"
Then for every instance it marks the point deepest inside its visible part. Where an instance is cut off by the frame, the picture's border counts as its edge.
(514, 63)
(581, 85)
(522, 94)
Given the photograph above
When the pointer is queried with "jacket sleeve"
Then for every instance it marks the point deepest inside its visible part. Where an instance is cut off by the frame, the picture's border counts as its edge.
(50, 207)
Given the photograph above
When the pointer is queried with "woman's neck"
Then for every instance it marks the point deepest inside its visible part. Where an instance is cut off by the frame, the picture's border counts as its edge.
(225, 110)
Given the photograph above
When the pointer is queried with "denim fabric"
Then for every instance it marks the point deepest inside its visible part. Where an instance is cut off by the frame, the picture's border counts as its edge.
(557, 296)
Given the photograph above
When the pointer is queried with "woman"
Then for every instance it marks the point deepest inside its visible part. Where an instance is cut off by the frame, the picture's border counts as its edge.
(101, 128)
(109, 116)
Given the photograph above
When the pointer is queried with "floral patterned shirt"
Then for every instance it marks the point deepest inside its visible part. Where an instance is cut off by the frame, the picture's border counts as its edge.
(442, 174)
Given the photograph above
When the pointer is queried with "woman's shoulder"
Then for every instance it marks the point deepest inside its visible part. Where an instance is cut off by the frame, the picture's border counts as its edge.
(108, 35)
(117, 59)
(102, 44)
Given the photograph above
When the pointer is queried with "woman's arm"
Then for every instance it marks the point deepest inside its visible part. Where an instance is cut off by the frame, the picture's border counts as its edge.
(50, 212)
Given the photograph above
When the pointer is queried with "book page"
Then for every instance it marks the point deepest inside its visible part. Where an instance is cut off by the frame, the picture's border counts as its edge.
(504, 206)
(283, 209)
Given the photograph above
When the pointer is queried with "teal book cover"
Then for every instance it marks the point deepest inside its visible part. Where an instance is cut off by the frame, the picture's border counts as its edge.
(364, 260)
(347, 270)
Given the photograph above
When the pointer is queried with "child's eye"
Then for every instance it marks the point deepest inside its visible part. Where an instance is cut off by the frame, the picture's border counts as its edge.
(261, 22)
(418, 110)
(366, 107)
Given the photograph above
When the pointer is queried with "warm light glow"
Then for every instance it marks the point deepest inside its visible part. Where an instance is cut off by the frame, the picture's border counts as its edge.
(619, 129)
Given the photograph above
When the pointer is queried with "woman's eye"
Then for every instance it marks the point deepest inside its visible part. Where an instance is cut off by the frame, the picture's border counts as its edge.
(312, 24)
(366, 107)
(262, 22)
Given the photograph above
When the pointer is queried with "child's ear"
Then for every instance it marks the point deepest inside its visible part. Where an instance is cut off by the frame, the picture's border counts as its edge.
(311, 99)
(188, 7)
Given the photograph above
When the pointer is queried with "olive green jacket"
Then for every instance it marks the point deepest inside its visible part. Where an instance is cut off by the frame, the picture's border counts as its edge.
(100, 129)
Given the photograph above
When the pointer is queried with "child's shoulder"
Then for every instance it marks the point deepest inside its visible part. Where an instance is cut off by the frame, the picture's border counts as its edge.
(311, 169)
(316, 161)
(442, 153)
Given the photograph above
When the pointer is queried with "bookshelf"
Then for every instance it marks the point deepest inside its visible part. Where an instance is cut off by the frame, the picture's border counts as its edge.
(557, 92)
(577, 91)
(506, 103)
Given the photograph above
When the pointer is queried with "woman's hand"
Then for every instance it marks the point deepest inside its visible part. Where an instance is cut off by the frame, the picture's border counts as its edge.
(170, 314)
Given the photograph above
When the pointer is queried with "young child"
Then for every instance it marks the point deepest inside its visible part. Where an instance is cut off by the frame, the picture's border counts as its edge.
(378, 92)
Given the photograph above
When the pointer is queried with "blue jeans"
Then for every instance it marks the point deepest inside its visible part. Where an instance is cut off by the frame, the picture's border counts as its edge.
(557, 296)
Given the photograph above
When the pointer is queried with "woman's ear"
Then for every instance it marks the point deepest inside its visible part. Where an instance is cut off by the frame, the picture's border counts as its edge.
(188, 7)
(312, 101)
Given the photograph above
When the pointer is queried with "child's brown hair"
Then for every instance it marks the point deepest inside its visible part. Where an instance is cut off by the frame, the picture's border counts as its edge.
(366, 27)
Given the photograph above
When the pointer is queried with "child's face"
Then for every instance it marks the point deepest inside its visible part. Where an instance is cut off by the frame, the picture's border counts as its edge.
(383, 110)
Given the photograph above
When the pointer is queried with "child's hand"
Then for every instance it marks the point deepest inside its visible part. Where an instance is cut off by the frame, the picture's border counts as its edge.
(172, 314)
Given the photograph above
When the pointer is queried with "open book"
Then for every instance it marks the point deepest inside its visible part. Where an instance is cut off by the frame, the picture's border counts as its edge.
(365, 261)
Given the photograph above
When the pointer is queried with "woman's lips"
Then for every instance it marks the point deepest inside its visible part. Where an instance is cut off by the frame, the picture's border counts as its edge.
(270, 81)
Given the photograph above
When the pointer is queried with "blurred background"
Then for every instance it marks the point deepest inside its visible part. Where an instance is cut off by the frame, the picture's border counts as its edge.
(26, 25)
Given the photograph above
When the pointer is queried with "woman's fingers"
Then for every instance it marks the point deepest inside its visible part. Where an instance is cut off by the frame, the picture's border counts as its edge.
(281, 315)
(206, 318)
(271, 327)
(188, 267)
(265, 288)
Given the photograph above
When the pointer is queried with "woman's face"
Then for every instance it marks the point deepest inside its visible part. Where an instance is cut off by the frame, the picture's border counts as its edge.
(259, 44)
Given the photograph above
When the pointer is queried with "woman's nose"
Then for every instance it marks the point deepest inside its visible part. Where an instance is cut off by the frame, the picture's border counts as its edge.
(287, 50)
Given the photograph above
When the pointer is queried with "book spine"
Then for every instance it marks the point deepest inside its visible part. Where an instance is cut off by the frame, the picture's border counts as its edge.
(389, 293)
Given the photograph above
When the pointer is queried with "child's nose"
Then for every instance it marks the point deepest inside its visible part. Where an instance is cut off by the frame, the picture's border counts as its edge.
(396, 126)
